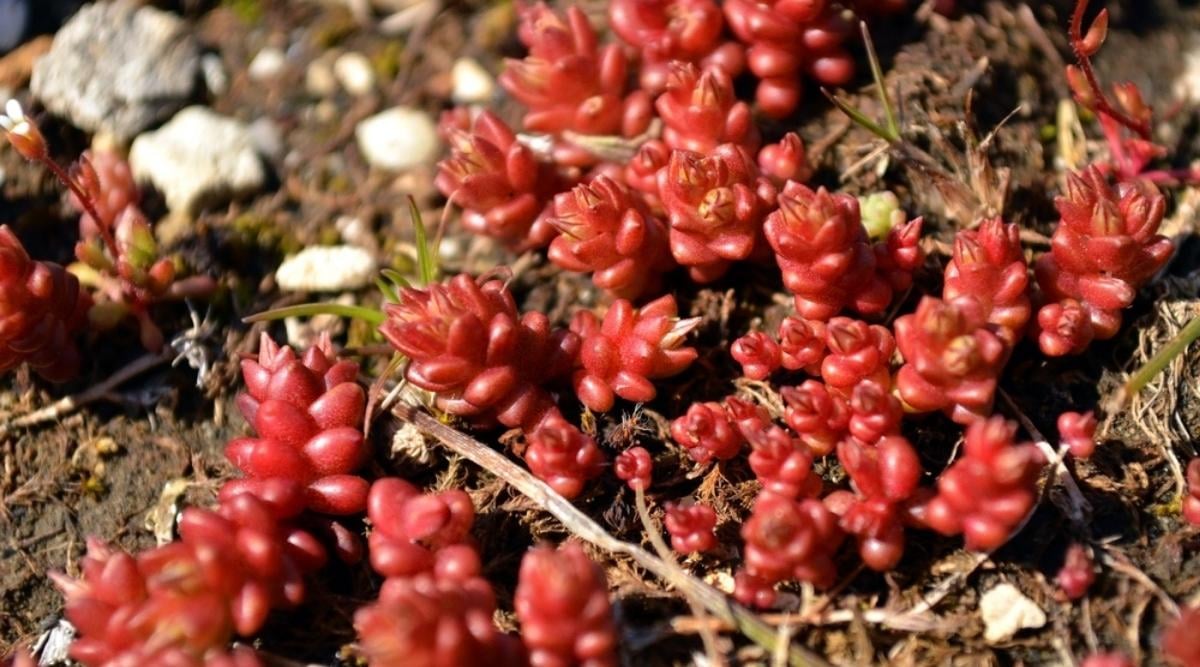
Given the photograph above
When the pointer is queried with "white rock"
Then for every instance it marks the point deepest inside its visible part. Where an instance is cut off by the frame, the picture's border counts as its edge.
(472, 83)
(267, 64)
(199, 158)
(326, 269)
(353, 70)
(1187, 84)
(216, 79)
(1006, 611)
(319, 80)
(398, 138)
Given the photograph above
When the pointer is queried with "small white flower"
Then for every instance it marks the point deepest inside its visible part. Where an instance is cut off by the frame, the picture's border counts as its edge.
(22, 132)
(14, 116)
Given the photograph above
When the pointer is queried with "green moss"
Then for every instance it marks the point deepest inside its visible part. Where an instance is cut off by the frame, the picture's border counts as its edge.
(250, 229)
(386, 61)
(333, 27)
(247, 11)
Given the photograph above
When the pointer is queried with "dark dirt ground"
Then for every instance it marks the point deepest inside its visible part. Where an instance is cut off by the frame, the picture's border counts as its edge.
(101, 471)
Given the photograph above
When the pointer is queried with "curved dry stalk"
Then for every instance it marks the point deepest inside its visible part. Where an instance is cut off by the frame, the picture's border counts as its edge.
(581, 525)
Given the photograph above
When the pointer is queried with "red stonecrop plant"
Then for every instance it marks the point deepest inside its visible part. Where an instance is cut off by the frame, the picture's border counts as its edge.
(467, 343)
(707, 432)
(819, 416)
(824, 253)
(989, 490)
(1191, 502)
(858, 352)
(182, 603)
(621, 354)
(787, 38)
(758, 353)
(635, 467)
(802, 344)
(420, 533)
(41, 310)
(500, 186)
(885, 477)
(691, 527)
(700, 111)
(989, 265)
(606, 230)
(786, 539)
(308, 413)
(663, 31)
(1078, 432)
(1104, 249)
(1077, 573)
(952, 359)
(715, 203)
(874, 412)
(562, 604)
(563, 456)
(783, 463)
(569, 82)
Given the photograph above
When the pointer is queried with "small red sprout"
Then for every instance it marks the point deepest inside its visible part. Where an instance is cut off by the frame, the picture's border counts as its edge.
(700, 111)
(783, 464)
(641, 172)
(748, 417)
(820, 417)
(1064, 328)
(1191, 502)
(691, 527)
(885, 476)
(501, 187)
(802, 344)
(1107, 660)
(822, 248)
(1078, 432)
(988, 264)
(787, 38)
(413, 531)
(674, 30)
(858, 352)
(604, 229)
(467, 343)
(874, 412)
(308, 414)
(952, 360)
(634, 467)
(784, 161)
(563, 456)
(707, 432)
(562, 604)
(41, 309)
(568, 81)
(715, 203)
(758, 354)
(789, 539)
(620, 355)
(1179, 642)
(987, 492)
(424, 621)
(1105, 248)
(1077, 573)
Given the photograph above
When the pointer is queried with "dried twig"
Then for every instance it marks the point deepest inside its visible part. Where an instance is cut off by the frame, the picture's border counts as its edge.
(582, 526)
(1077, 507)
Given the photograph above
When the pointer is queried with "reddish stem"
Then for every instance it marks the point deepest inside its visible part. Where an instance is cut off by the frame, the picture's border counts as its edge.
(1101, 105)
(105, 226)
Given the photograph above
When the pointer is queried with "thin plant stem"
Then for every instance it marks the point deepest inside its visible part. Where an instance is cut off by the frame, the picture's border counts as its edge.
(1142, 376)
(893, 127)
(310, 309)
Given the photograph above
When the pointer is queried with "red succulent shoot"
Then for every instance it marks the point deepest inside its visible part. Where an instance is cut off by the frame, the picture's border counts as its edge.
(412, 531)
(307, 411)
(1078, 432)
(1110, 659)
(747, 416)
(621, 354)
(1191, 502)
(700, 111)
(802, 344)
(785, 160)
(634, 467)
(986, 493)
(819, 416)
(606, 230)
(952, 359)
(858, 352)
(707, 432)
(1179, 642)
(562, 603)
(691, 527)
(988, 264)
(563, 456)
(791, 539)
(1077, 573)
(467, 343)
(1064, 328)
(674, 30)
(758, 354)
(783, 464)
(874, 412)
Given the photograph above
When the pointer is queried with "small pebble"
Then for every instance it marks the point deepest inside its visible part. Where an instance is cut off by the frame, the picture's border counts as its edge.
(319, 80)
(267, 138)
(472, 83)
(398, 138)
(326, 269)
(216, 79)
(354, 72)
(267, 64)
(1006, 611)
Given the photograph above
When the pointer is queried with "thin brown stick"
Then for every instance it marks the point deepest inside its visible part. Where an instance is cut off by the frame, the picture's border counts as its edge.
(68, 404)
(582, 526)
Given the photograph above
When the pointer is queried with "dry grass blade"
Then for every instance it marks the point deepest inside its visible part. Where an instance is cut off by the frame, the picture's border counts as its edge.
(582, 526)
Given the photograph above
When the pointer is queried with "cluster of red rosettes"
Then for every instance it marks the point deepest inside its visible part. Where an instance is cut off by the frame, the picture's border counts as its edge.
(182, 603)
(1106, 246)
(707, 432)
(989, 490)
(691, 527)
(786, 538)
(886, 477)
(308, 413)
(563, 456)
(420, 533)
(989, 265)
(41, 309)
